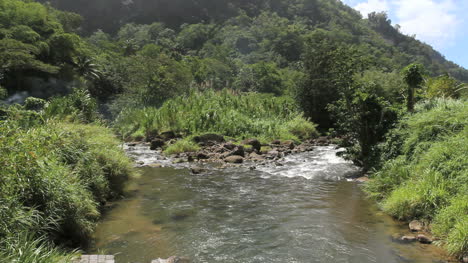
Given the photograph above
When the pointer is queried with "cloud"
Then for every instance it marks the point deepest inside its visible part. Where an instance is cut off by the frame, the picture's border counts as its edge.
(372, 6)
(434, 22)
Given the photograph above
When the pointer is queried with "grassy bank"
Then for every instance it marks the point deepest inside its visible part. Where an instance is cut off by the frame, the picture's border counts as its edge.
(55, 176)
(237, 115)
(425, 176)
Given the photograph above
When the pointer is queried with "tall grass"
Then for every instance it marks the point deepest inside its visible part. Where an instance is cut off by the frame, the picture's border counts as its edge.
(54, 178)
(427, 175)
(239, 115)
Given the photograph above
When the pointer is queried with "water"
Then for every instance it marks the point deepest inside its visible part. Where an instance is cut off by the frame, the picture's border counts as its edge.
(304, 211)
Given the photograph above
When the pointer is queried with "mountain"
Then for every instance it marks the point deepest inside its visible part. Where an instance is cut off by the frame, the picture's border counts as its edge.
(389, 47)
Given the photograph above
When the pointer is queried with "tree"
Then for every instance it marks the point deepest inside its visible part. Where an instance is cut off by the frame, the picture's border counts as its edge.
(413, 76)
(363, 118)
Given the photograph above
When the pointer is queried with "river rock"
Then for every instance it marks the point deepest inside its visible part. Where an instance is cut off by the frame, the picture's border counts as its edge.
(416, 226)
(209, 138)
(157, 143)
(424, 239)
(256, 145)
(408, 238)
(239, 150)
(172, 260)
(229, 146)
(276, 142)
(289, 144)
(256, 157)
(202, 156)
(197, 170)
(234, 159)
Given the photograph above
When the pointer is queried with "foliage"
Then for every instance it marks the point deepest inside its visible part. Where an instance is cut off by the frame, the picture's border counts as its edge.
(425, 168)
(182, 146)
(24, 248)
(243, 115)
(363, 118)
(78, 106)
(413, 76)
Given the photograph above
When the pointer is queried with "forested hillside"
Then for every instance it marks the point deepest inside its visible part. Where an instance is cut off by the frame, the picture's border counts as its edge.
(292, 18)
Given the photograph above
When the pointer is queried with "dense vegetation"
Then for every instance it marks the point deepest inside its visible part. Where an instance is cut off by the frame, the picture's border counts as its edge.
(239, 116)
(267, 69)
(425, 171)
(55, 176)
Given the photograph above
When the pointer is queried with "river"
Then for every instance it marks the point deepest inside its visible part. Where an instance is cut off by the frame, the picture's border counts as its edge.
(304, 211)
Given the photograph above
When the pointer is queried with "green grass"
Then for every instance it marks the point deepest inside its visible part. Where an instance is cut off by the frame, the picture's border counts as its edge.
(426, 174)
(238, 115)
(55, 176)
(181, 146)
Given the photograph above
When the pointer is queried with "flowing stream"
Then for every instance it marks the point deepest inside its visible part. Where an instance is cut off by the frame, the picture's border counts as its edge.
(304, 211)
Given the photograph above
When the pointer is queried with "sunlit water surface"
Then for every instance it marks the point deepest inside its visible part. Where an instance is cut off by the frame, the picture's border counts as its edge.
(304, 211)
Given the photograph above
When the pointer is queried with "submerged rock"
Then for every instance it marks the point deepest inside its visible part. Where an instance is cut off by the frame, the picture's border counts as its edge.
(416, 226)
(424, 239)
(408, 238)
(197, 170)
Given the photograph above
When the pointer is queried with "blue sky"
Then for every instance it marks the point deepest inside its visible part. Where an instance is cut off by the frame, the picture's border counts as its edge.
(441, 23)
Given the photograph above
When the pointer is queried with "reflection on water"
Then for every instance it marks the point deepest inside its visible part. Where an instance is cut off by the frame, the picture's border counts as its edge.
(301, 212)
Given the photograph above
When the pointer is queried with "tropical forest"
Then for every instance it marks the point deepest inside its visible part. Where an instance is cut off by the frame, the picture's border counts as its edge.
(233, 131)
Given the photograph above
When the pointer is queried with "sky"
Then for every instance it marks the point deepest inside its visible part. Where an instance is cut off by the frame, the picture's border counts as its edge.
(443, 24)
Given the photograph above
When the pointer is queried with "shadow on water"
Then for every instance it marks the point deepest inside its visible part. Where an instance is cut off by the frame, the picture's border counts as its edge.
(304, 211)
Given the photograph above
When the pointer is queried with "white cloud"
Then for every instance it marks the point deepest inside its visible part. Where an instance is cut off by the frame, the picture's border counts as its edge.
(372, 6)
(431, 21)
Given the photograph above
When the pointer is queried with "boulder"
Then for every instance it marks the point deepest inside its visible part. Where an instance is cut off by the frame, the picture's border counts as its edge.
(157, 143)
(424, 239)
(239, 150)
(209, 137)
(256, 145)
(234, 159)
(416, 226)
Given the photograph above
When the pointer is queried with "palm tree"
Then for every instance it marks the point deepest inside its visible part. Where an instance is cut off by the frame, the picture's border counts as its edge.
(87, 68)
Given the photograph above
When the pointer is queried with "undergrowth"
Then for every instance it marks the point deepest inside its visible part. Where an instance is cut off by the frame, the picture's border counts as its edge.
(55, 176)
(425, 175)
